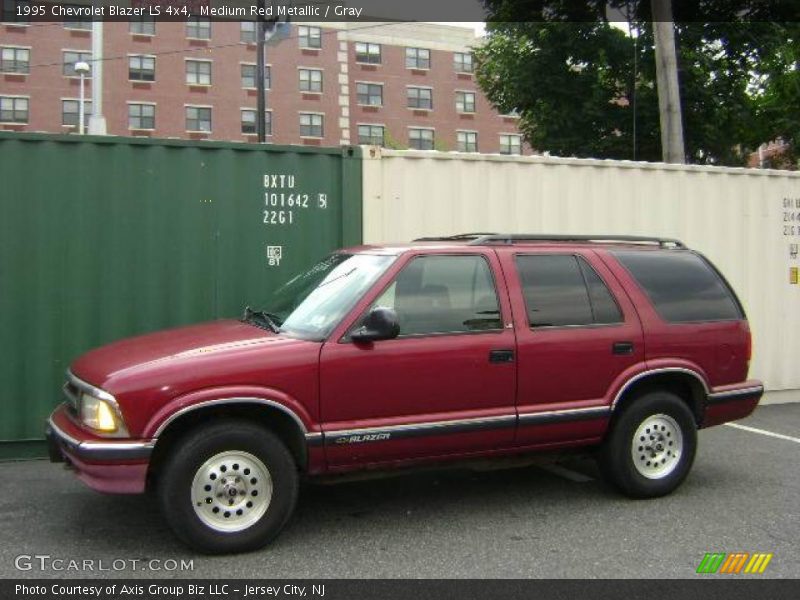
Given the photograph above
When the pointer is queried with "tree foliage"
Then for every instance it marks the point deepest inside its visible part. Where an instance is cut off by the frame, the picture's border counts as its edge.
(585, 87)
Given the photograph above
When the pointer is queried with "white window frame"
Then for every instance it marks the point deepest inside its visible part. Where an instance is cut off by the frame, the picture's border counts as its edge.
(310, 80)
(64, 62)
(419, 87)
(13, 110)
(381, 125)
(199, 60)
(464, 103)
(417, 128)
(186, 118)
(469, 132)
(515, 135)
(368, 83)
(313, 114)
(87, 105)
(16, 48)
(134, 55)
(368, 46)
(141, 103)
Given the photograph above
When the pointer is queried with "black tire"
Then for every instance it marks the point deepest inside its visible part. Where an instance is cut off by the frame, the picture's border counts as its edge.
(177, 486)
(644, 475)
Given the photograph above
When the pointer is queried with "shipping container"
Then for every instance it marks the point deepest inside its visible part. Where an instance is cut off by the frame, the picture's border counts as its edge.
(747, 221)
(103, 237)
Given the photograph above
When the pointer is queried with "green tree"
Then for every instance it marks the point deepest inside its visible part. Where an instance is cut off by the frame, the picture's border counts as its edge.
(585, 87)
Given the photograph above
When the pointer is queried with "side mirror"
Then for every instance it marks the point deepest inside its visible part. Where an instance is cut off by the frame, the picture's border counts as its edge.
(380, 324)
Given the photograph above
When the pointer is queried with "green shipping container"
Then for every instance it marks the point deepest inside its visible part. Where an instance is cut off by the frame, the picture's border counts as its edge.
(102, 238)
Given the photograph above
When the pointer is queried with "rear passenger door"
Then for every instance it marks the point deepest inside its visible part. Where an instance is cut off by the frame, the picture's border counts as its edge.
(577, 332)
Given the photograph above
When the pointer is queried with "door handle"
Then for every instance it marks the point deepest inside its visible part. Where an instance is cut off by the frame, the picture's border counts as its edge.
(501, 356)
(622, 348)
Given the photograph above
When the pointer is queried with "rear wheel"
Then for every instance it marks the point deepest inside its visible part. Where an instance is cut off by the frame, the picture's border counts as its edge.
(651, 446)
(228, 487)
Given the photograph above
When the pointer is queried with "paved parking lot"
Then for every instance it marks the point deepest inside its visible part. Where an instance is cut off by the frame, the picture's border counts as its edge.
(531, 521)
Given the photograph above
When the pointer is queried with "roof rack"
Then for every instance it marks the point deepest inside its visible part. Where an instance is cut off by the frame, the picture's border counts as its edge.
(524, 237)
(459, 237)
(480, 239)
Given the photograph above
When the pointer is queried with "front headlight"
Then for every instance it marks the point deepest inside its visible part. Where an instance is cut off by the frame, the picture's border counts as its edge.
(98, 414)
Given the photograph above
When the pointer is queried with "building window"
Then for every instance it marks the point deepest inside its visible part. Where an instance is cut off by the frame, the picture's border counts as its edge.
(142, 26)
(310, 80)
(249, 125)
(368, 53)
(418, 58)
(13, 110)
(198, 72)
(510, 144)
(466, 141)
(10, 11)
(15, 60)
(310, 37)
(142, 68)
(311, 125)
(420, 97)
(76, 22)
(371, 135)
(141, 116)
(198, 118)
(249, 77)
(247, 33)
(462, 62)
(369, 94)
(198, 28)
(420, 139)
(70, 111)
(72, 57)
(465, 102)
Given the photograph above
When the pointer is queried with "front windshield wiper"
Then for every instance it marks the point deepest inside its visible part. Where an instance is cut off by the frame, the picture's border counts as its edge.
(262, 318)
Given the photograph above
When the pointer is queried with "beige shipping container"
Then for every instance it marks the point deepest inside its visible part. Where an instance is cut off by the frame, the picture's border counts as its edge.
(747, 221)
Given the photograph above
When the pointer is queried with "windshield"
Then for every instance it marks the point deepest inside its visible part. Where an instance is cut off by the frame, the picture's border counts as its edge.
(312, 303)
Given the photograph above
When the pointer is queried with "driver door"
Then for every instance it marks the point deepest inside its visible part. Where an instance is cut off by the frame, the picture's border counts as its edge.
(444, 386)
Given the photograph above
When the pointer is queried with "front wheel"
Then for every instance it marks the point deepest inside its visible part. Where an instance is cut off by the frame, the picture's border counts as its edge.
(228, 487)
(651, 446)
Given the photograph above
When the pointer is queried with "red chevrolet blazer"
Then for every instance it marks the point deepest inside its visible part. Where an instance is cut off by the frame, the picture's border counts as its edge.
(383, 356)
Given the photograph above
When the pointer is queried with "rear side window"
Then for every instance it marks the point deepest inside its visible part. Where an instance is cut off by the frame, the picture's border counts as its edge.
(563, 290)
(682, 286)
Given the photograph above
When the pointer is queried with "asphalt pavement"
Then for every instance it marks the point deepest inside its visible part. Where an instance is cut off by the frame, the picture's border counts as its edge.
(529, 521)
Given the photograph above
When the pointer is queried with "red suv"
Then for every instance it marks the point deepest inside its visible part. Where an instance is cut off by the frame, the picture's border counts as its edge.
(381, 356)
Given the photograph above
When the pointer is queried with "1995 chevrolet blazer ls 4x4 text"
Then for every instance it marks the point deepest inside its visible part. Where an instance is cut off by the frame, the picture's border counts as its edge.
(381, 356)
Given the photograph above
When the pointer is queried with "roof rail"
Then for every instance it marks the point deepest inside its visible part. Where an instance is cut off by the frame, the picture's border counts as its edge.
(524, 237)
(459, 237)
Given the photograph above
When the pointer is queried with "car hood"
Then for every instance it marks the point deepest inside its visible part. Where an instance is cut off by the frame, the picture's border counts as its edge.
(131, 358)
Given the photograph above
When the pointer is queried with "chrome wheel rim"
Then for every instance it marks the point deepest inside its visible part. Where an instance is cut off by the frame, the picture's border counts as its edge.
(657, 446)
(231, 491)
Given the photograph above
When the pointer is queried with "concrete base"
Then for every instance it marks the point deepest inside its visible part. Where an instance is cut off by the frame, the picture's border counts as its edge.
(780, 397)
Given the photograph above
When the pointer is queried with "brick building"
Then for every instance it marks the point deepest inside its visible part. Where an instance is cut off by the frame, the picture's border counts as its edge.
(400, 84)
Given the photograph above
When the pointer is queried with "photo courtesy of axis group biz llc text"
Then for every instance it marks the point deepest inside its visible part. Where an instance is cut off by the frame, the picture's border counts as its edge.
(486, 298)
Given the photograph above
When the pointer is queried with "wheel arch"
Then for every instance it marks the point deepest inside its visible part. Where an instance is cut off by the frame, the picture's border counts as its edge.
(685, 383)
(270, 414)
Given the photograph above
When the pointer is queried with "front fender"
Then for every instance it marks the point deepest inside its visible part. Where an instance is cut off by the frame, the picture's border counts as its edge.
(229, 395)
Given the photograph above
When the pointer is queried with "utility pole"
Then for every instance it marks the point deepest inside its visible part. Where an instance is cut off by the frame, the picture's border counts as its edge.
(669, 98)
(261, 102)
(97, 122)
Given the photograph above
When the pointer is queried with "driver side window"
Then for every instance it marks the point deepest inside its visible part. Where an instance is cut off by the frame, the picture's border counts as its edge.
(444, 294)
